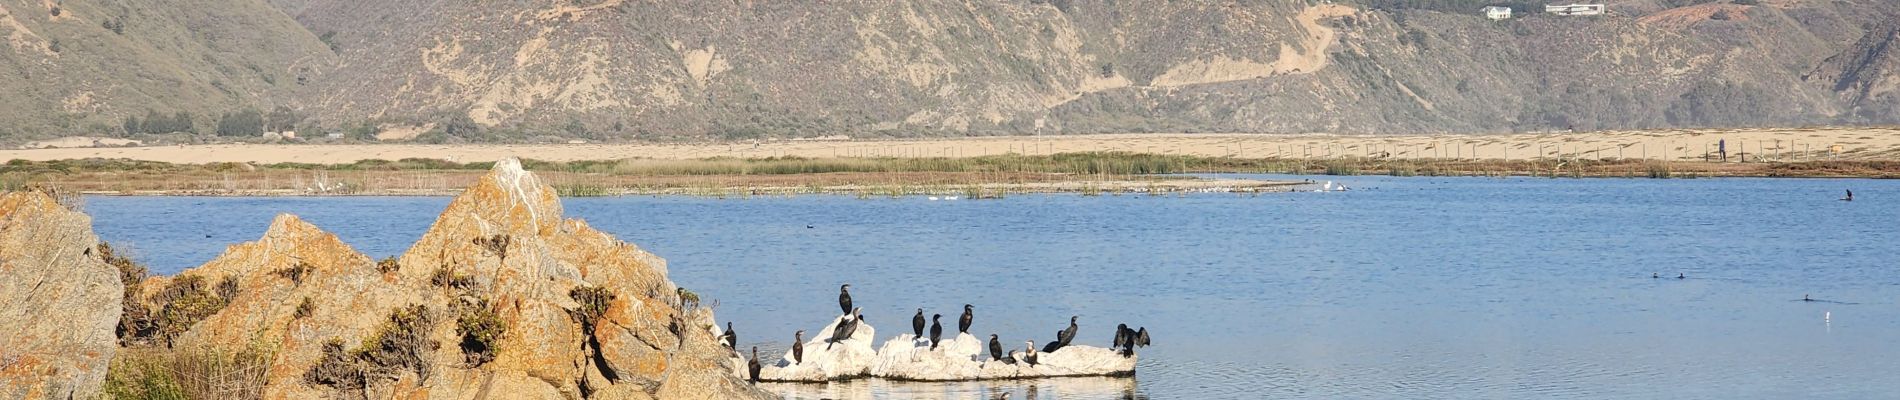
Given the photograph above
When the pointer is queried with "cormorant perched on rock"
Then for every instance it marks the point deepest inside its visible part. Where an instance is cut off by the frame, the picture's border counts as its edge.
(936, 330)
(753, 366)
(1141, 337)
(1054, 344)
(844, 298)
(1068, 336)
(1029, 352)
(731, 338)
(845, 328)
(963, 324)
(996, 348)
(1124, 340)
(917, 323)
(798, 347)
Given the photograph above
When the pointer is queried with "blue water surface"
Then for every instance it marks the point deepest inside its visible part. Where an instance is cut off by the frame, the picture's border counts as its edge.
(1400, 288)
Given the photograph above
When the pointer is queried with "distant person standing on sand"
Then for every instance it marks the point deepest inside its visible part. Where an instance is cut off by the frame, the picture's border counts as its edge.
(1721, 147)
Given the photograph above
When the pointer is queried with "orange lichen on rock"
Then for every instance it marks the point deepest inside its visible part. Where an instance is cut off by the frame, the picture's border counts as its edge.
(59, 301)
(515, 260)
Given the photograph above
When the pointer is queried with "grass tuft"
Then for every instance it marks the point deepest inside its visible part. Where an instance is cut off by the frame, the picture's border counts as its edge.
(155, 373)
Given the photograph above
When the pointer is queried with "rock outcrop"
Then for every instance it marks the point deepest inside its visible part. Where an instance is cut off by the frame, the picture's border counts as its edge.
(848, 358)
(501, 298)
(59, 302)
(907, 357)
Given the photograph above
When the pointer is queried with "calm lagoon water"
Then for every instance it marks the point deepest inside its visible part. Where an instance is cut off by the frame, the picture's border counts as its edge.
(1402, 288)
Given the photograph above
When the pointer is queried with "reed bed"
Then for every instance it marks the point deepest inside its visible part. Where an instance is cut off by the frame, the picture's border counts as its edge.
(879, 176)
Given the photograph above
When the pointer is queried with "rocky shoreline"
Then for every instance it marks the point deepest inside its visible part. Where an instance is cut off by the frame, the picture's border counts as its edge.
(502, 298)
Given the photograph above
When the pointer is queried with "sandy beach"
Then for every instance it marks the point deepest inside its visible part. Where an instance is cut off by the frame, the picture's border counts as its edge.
(1803, 144)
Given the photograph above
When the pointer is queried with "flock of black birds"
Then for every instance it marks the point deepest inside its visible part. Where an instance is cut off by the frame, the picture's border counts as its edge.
(1126, 339)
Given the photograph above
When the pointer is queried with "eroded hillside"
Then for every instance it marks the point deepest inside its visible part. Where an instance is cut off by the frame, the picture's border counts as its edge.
(615, 69)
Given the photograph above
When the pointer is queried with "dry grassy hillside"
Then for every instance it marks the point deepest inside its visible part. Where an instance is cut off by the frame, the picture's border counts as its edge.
(83, 66)
(620, 70)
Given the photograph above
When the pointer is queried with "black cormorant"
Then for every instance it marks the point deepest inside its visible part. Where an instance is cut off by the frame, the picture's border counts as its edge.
(963, 324)
(1806, 298)
(753, 366)
(1068, 335)
(798, 347)
(936, 330)
(844, 298)
(731, 338)
(917, 323)
(996, 348)
(845, 328)
(1121, 336)
(1680, 276)
(1850, 196)
(1053, 344)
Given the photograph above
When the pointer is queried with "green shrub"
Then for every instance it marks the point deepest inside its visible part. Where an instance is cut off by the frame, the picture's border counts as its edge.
(388, 265)
(304, 309)
(400, 344)
(295, 273)
(497, 244)
(479, 328)
(181, 304)
(446, 278)
(594, 301)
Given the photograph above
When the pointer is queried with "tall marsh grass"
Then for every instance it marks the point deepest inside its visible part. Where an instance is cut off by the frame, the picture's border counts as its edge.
(183, 374)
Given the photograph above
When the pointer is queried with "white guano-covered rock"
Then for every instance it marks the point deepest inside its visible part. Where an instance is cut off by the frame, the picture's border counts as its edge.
(849, 358)
(963, 357)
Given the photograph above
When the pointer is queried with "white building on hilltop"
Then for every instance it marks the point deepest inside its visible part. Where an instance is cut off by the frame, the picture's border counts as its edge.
(1496, 13)
(1575, 9)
